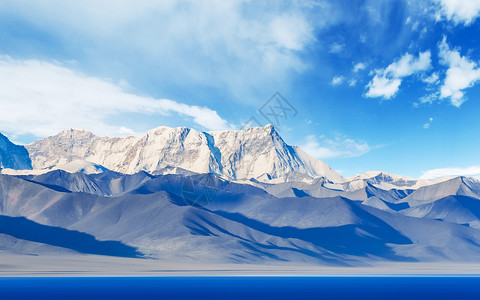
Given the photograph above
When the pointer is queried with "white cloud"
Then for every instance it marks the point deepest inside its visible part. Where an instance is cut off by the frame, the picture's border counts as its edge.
(41, 98)
(430, 98)
(352, 82)
(408, 65)
(459, 11)
(336, 148)
(473, 171)
(237, 46)
(462, 73)
(432, 79)
(291, 32)
(380, 86)
(358, 67)
(387, 81)
(337, 80)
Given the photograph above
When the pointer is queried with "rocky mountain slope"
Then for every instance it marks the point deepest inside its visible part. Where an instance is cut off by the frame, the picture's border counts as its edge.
(237, 154)
(13, 156)
(241, 155)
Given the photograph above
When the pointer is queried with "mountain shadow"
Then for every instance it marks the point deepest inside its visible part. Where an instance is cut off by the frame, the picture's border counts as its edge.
(22, 228)
(369, 238)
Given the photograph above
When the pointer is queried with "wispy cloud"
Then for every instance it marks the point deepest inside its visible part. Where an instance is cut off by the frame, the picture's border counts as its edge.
(358, 67)
(432, 79)
(336, 48)
(473, 171)
(235, 46)
(459, 11)
(42, 98)
(337, 80)
(343, 147)
(386, 82)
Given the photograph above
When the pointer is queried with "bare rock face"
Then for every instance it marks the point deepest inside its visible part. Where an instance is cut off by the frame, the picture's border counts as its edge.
(258, 153)
(13, 156)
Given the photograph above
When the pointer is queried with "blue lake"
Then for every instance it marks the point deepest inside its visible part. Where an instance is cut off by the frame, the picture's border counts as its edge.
(244, 287)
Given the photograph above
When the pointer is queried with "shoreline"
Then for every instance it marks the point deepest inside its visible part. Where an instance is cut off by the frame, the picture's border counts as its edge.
(18, 265)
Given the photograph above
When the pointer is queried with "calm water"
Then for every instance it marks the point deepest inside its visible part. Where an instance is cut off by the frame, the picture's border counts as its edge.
(241, 288)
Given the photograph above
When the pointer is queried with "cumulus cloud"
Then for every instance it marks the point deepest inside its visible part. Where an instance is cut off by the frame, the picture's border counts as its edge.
(381, 86)
(473, 171)
(386, 82)
(42, 98)
(462, 73)
(459, 11)
(340, 147)
(337, 80)
(408, 65)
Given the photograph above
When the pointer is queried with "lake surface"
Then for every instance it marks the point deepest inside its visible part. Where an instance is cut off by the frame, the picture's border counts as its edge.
(242, 287)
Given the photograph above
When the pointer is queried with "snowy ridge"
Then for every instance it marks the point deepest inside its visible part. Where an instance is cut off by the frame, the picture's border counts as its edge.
(388, 181)
(258, 153)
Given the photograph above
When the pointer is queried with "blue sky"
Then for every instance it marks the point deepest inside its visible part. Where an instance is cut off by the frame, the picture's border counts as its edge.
(376, 85)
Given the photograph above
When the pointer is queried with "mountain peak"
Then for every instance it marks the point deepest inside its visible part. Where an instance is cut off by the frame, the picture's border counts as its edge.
(257, 152)
(73, 130)
(268, 128)
(387, 181)
(74, 133)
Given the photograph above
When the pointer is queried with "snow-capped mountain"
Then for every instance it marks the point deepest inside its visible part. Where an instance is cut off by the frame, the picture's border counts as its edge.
(228, 196)
(258, 153)
(13, 156)
(387, 181)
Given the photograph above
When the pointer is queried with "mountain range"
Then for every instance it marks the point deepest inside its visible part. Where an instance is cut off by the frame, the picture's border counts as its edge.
(240, 196)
